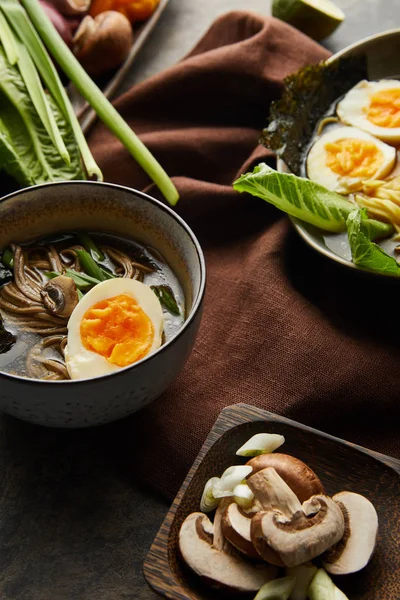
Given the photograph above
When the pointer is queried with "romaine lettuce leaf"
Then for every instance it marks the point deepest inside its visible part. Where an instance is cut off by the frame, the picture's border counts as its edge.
(365, 253)
(304, 199)
(298, 197)
(26, 151)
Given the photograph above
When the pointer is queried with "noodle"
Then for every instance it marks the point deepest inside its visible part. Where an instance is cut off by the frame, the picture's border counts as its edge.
(21, 301)
(382, 199)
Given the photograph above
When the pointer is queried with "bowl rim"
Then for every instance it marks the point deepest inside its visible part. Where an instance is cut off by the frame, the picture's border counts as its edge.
(300, 227)
(195, 306)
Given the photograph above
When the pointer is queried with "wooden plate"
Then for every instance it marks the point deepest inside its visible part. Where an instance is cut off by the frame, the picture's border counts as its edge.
(85, 114)
(340, 465)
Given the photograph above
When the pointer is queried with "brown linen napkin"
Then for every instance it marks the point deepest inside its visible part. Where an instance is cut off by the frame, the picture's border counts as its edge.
(284, 328)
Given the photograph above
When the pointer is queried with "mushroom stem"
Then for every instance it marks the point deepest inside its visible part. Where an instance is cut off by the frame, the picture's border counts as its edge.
(273, 493)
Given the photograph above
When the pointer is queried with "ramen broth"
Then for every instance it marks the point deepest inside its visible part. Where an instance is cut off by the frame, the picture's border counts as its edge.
(29, 345)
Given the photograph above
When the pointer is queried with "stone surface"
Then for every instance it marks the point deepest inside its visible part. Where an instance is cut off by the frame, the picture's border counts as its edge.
(73, 524)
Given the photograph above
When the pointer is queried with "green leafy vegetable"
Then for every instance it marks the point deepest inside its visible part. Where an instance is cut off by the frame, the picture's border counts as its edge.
(26, 150)
(166, 296)
(8, 258)
(27, 34)
(104, 109)
(298, 197)
(308, 95)
(91, 247)
(304, 199)
(365, 253)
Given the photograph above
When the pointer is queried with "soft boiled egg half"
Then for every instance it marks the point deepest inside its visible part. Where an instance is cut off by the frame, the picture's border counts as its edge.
(117, 323)
(344, 157)
(373, 106)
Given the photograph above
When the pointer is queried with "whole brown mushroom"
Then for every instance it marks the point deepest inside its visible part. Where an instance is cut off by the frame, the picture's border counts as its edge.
(298, 476)
(102, 43)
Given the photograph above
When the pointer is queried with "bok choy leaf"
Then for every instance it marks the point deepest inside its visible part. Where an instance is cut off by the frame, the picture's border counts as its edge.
(365, 253)
(26, 149)
(304, 199)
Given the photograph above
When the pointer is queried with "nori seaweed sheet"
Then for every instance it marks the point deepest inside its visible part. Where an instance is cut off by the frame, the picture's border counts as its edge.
(307, 96)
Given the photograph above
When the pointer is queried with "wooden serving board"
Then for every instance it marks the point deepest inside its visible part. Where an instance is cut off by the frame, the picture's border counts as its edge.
(340, 465)
(84, 112)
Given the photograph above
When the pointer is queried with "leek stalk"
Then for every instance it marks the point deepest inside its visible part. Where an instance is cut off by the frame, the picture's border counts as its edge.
(94, 96)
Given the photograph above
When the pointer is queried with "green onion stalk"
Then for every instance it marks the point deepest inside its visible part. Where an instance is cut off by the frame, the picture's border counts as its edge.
(95, 97)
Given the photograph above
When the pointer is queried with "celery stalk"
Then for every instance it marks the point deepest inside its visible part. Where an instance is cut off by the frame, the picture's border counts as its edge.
(94, 96)
(19, 21)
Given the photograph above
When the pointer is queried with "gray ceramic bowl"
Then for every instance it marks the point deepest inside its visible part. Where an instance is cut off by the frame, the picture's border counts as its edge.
(46, 209)
(383, 62)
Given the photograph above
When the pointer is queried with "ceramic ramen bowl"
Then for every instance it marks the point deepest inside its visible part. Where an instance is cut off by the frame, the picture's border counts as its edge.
(45, 210)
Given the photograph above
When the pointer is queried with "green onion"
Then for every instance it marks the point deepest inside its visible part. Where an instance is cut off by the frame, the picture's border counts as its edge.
(19, 21)
(91, 247)
(167, 298)
(7, 40)
(80, 294)
(8, 258)
(94, 96)
(40, 102)
(90, 266)
(81, 280)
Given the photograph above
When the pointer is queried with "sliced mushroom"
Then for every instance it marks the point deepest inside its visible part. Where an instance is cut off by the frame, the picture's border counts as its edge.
(353, 552)
(295, 532)
(218, 567)
(60, 296)
(236, 526)
(299, 477)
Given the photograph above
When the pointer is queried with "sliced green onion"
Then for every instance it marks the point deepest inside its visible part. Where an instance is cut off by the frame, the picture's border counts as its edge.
(19, 21)
(95, 97)
(90, 266)
(91, 246)
(8, 41)
(230, 478)
(321, 587)
(82, 281)
(243, 496)
(278, 589)
(8, 258)
(208, 501)
(261, 443)
(166, 297)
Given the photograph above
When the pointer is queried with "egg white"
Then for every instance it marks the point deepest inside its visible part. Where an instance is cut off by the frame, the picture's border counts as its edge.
(84, 364)
(352, 108)
(317, 169)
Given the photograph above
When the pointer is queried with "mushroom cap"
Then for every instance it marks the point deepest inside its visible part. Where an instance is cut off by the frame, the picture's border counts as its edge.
(236, 527)
(302, 537)
(353, 552)
(219, 568)
(60, 296)
(298, 476)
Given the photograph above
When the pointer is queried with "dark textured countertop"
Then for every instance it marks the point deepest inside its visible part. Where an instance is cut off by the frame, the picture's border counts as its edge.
(73, 523)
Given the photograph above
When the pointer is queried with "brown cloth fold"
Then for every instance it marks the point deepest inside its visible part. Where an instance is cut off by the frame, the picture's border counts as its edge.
(284, 328)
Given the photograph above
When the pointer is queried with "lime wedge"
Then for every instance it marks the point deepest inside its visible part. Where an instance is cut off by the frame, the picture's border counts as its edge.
(316, 18)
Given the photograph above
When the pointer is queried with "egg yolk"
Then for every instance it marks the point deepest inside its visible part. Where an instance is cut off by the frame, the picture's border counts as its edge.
(118, 329)
(384, 108)
(353, 157)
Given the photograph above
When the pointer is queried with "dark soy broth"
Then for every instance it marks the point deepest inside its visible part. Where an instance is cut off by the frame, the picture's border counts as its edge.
(158, 272)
